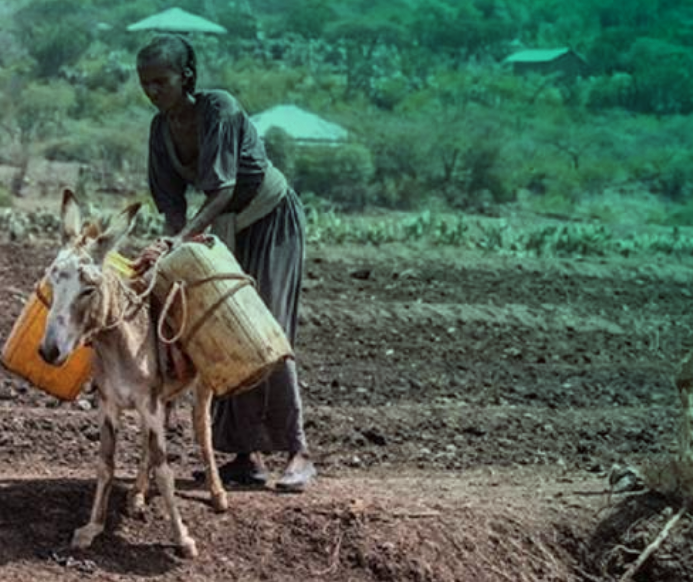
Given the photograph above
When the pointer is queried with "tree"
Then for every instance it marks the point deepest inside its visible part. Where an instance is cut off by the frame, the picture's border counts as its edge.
(365, 36)
(55, 33)
(309, 17)
(663, 83)
(460, 29)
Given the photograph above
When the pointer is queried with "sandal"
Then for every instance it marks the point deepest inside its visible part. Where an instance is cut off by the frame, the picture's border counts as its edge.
(240, 471)
(298, 474)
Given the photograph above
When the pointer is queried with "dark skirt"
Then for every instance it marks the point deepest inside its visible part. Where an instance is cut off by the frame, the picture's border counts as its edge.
(270, 416)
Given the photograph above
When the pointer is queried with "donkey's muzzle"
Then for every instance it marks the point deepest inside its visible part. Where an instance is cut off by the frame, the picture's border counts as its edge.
(49, 353)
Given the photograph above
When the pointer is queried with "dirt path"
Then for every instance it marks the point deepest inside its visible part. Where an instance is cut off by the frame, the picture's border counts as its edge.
(480, 525)
(463, 410)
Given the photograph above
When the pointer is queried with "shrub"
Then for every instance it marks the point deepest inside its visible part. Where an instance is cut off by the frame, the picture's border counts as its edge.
(120, 142)
(596, 173)
(615, 90)
(401, 152)
(675, 181)
(5, 198)
(554, 204)
(402, 193)
(55, 33)
(388, 92)
(102, 68)
(681, 215)
(481, 162)
(281, 149)
(38, 110)
(568, 240)
(259, 88)
(339, 173)
(102, 105)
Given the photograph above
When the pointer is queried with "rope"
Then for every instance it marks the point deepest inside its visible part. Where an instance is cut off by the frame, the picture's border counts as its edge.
(181, 288)
(89, 334)
(134, 301)
(138, 299)
(150, 287)
(176, 288)
(134, 298)
(41, 296)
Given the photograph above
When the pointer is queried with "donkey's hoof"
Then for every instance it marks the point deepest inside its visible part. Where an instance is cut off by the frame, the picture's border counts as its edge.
(188, 548)
(84, 536)
(136, 504)
(220, 502)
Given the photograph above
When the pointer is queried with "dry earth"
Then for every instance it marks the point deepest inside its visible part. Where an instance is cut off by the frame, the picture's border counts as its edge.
(463, 409)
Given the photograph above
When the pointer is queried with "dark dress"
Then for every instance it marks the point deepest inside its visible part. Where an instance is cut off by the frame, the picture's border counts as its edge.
(271, 250)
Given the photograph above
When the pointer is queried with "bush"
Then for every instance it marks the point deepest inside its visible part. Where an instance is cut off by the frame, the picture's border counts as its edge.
(681, 215)
(482, 163)
(102, 68)
(5, 198)
(259, 88)
(401, 193)
(606, 92)
(281, 149)
(338, 173)
(400, 147)
(119, 141)
(597, 173)
(102, 105)
(55, 33)
(38, 110)
(675, 181)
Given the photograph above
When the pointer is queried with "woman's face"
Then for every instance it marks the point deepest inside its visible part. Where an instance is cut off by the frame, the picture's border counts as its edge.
(162, 84)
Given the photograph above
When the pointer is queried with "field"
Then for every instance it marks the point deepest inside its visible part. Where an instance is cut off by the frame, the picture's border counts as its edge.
(465, 409)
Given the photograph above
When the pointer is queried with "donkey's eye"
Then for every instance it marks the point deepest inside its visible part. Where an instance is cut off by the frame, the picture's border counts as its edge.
(86, 292)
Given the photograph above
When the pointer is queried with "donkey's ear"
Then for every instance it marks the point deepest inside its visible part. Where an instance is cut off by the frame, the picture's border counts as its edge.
(71, 217)
(119, 228)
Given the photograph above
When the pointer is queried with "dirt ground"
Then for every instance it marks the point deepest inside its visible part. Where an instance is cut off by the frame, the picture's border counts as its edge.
(463, 409)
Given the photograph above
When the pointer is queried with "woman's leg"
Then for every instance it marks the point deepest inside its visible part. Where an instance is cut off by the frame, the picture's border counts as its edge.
(270, 416)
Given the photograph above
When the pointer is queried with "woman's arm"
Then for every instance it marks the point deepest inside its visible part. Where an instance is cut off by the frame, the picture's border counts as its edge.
(215, 204)
(174, 222)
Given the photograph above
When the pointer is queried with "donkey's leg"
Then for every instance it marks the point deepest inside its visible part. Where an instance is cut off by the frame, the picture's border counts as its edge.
(138, 495)
(154, 421)
(108, 420)
(203, 435)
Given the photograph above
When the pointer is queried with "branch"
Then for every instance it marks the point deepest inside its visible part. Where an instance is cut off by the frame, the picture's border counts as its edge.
(652, 548)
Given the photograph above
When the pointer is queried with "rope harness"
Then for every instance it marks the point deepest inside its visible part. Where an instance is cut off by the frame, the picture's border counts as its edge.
(180, 288)
(135, 302)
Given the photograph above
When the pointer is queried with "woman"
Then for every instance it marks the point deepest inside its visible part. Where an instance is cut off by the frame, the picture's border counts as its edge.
(204, 139)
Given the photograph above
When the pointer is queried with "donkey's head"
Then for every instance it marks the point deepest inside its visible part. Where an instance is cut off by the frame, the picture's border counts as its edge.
(76, 278)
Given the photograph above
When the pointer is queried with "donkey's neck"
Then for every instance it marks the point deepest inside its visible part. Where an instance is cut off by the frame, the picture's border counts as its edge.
(125, 336)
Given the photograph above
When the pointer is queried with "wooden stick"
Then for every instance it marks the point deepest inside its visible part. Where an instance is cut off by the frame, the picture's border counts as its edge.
(649, 550)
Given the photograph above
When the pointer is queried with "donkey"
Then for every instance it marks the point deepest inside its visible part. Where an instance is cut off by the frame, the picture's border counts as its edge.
(92, 304)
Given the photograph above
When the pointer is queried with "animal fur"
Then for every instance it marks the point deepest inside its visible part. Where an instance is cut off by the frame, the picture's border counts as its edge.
(90, 303)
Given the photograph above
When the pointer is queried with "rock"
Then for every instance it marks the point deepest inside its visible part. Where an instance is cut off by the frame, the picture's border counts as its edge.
(374, 436)
(354, 461)
(6, 392)
(17, 231)
(624, 479)
(361, 274)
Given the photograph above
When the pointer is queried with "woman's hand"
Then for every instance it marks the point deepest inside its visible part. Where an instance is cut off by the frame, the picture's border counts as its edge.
(160, 247)
(152, 253)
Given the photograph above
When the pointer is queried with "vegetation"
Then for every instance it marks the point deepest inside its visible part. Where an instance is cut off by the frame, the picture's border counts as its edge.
(434, 114)
(562, 241)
